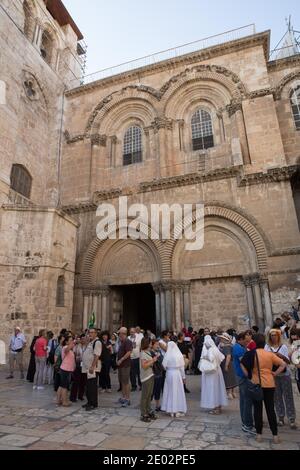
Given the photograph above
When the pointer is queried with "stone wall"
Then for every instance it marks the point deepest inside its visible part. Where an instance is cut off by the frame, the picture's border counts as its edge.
(36, 247)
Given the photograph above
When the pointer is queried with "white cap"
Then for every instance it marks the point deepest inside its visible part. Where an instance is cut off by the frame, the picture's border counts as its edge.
(298, 298)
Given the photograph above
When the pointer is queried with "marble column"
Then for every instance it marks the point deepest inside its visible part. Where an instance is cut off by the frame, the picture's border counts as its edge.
(268, 316)
(105, 291)
(157, 308)
(86, 301)
(95, 299)
(250, 302)
(178, 316)
(169, 310)
(186, 305)
(258, 303)
(163, 319)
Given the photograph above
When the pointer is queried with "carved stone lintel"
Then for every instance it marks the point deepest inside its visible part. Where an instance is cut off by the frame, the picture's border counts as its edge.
(97, 139)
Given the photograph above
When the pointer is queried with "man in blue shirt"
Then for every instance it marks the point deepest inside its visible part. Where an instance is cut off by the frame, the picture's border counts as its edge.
(246, 406)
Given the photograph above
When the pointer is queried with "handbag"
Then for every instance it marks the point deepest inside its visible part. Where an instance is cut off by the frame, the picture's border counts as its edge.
(206, 366)
(254, 390)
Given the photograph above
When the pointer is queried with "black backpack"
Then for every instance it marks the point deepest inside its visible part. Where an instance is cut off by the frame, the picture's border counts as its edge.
(50, 359)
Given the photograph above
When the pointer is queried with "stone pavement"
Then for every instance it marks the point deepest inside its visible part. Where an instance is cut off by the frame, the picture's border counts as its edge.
(29, 419)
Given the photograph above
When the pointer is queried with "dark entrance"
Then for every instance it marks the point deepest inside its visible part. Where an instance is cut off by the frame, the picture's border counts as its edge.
(139, 306)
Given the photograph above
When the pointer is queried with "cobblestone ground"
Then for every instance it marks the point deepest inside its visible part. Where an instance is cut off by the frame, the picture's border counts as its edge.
(30, 420)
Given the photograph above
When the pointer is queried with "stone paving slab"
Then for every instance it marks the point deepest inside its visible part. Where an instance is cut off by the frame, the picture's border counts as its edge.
(31, 421)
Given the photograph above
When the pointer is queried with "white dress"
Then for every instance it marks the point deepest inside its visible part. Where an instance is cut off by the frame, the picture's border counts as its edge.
(213, 391)
(173, 400)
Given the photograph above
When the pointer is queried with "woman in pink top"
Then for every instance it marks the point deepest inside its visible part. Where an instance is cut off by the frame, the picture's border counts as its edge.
(67, 367)
(40, 349)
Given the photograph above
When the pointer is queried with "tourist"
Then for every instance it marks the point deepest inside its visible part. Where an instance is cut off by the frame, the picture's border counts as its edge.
(158, 373)
(147, 378)
(163, 342)
(78, 378)
(51, 346)
(40, 349)
(123, 363)
(57, 362)
(135, 360)
(114, 341)
(173, 400)
(283, 397)
(104, 377)
(91, 366)
(66, 369)
(213, 392)
(258, 365)
(31, 366)
(17, 345)
(185, 348)
(249, 339)
(139, 333)
(230, 379)
(246, 405)
(294, 353)
(198, 350)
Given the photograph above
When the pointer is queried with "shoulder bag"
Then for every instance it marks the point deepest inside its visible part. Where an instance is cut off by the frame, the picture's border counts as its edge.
(255, 390)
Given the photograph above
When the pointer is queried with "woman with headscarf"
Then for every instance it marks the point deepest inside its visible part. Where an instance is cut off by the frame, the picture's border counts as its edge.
(213, 391)
(283, 397)
(173, 400)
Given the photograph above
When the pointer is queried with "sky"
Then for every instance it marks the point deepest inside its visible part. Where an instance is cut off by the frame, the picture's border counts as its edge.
(117, 31)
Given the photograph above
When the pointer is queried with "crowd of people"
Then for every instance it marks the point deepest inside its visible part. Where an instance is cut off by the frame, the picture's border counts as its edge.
(260, 366)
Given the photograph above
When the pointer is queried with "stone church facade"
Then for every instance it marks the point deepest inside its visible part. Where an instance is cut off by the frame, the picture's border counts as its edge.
(220, 126)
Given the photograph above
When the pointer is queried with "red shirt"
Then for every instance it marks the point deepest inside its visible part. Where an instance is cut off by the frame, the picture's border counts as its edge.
(251, 345)
(39, 347)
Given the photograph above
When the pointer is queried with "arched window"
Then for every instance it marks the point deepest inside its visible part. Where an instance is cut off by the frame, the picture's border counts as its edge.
(295, 184)
(60, 292)
(132, 149)
(295, 103)
(20, 180)
(47, 47)
(202, 131)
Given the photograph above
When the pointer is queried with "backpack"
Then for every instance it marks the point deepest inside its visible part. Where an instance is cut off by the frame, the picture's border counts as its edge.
(50, 359)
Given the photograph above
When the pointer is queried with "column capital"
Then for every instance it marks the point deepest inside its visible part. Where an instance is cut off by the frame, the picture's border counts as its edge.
(100, 140)
(103, 290)
(86, 292)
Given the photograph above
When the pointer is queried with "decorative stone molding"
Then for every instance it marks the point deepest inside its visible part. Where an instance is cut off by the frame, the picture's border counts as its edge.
(233, 107)
(74, 139)
(79, 208)
(286, 62)
(285, 80)
(286, 251)
(273, 175)
(99, 196)
(186, 59)
(162, 123)
(97, 139)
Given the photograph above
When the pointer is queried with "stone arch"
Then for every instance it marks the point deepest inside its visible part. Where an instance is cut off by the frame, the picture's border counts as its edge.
(203, 73)
(49, 45)
(30, 15)
(282, 90)
(142, 94)
(127, 110)
(235, 217)
(97, 248)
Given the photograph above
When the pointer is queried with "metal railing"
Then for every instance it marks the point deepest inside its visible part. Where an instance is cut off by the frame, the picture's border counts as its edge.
(172, 53)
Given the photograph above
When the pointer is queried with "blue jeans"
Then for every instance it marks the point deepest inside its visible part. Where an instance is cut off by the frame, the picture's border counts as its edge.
(246, 405)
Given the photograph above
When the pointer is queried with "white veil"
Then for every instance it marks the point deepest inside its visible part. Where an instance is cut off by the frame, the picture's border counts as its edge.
(173, 356)
(211, 351)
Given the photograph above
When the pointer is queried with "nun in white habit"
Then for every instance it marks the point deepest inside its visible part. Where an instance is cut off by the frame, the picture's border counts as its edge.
(173, 400)
(213, 391)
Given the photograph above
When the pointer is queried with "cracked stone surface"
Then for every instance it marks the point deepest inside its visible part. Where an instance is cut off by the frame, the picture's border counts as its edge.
(30, 420)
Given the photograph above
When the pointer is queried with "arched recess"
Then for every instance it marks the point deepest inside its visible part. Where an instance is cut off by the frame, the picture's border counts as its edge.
(283, 88)
(49, 45)
(223, 77)
(146, 99)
